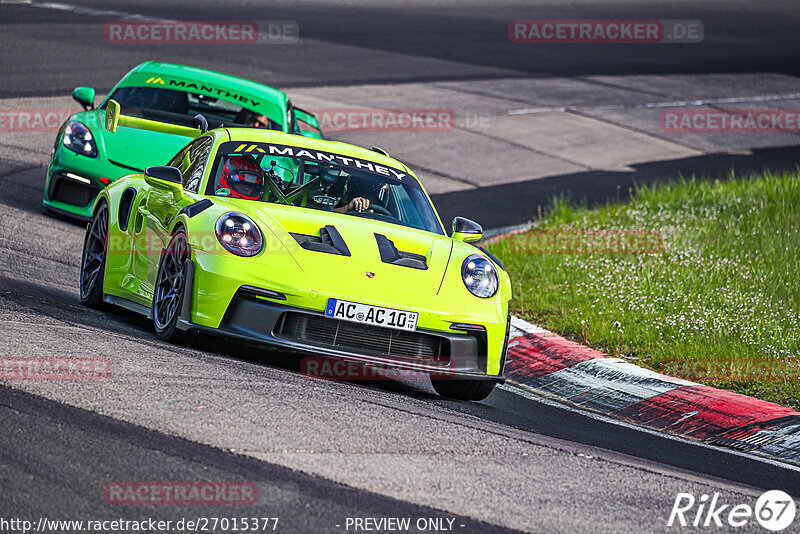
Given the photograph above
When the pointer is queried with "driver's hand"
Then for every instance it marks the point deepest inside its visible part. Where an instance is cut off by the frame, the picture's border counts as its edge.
(358, 204)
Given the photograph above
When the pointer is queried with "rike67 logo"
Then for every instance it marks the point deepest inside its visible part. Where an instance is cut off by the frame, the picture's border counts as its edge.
(774, 510)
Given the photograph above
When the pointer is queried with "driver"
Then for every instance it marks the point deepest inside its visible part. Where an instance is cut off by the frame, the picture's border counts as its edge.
(357, 204)
(243, 177)
(362, 193)
(251, 118)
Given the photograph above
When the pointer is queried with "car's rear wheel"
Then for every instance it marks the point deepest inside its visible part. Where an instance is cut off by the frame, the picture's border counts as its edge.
(471, 390)
(93, 263)
(170, 288)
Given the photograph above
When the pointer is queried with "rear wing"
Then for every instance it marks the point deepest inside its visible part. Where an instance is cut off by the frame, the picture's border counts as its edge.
(309, 120)
(115, 119)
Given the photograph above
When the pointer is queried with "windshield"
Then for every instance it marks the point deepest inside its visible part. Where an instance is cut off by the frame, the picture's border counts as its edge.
(281, 174)
(180, 107)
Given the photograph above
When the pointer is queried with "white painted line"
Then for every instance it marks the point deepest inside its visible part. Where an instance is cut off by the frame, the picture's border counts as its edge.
(617, 366)
(287, 30)
(54, 5)
(604, 384)
(531, 111)
(81, 10)
(519, 389)
(527, 327)
(667, 104)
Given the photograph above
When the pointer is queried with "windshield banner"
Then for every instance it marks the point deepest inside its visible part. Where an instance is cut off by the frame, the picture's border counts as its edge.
(320, 157)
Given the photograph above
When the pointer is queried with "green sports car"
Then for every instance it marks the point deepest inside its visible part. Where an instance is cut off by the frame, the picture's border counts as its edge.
(304, 244)
(85, 159)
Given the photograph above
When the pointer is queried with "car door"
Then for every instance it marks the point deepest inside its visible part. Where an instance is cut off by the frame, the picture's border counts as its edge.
(154, 211)
(162, 207)
(147, 245)
(140, 249)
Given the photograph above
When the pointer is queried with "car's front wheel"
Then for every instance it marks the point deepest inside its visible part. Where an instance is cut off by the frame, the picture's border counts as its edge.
(93, 262)
(170, 288)
(471, 390)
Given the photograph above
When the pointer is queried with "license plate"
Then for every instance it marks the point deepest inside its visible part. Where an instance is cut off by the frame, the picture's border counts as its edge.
(368, 314)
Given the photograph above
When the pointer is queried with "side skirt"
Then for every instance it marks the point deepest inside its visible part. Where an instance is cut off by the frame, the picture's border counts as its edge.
(127, 304)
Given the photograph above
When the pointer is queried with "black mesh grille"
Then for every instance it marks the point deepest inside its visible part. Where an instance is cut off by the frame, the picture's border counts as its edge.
(371, 340)
(72, 192)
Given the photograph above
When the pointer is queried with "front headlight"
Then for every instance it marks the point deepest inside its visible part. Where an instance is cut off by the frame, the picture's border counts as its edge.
(479, 276)
(78, 138)
(239, 234)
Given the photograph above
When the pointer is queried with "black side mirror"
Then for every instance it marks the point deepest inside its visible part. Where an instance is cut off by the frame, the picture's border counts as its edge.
(165, 177)
(165, 173)
(466, 230)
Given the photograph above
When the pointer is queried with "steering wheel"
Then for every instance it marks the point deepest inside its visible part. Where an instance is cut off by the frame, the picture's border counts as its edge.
(375, 209)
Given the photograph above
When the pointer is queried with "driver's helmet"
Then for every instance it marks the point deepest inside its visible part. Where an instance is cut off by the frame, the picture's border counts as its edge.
(243, 177)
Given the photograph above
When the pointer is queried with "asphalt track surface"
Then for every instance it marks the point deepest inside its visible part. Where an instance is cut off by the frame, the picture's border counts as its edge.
(322, 451)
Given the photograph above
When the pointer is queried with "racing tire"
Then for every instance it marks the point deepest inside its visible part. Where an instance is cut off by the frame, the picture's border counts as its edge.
(468, 390)
(170, 288)
(93, 259)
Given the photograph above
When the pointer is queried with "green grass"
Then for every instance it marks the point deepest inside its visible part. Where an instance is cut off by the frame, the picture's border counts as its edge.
(718, 302)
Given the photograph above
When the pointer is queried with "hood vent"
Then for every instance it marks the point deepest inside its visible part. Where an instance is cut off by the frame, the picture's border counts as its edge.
(390, 254)
(329, 241)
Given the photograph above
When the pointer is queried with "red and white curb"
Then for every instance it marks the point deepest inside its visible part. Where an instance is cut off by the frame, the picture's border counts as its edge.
(549, 365)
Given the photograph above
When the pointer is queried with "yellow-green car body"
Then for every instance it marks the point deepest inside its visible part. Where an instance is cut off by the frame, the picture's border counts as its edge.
(312, 258)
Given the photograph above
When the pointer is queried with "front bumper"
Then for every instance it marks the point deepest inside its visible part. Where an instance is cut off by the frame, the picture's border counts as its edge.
(69, 196)
(260, 316)
(73, 182)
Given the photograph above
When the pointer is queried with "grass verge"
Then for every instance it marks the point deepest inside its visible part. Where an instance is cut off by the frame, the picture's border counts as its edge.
(695, 279)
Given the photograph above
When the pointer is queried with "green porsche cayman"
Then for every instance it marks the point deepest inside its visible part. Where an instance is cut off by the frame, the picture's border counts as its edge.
(303, 244)
(85, 159)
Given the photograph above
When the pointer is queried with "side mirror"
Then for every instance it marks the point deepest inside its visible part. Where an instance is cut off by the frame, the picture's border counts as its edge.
(311, 134)
(165, 177)
(466, 230)
(314, 130)
(84, 96)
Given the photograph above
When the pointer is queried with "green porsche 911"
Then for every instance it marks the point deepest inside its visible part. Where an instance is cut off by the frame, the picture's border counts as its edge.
(85, 159)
